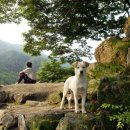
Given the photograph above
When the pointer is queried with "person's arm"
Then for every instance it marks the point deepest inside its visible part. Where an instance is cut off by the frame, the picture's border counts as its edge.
(25, 71)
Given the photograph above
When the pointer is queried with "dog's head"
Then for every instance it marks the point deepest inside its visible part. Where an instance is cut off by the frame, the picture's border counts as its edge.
(80, 67)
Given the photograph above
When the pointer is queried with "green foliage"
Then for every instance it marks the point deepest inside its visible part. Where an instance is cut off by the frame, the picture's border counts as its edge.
(57, 24)
(8, 77)
(123, 46)
(119, 45)
(108, 69)
(93, 85)
(114, 91)
(119, 113)
(53, 72)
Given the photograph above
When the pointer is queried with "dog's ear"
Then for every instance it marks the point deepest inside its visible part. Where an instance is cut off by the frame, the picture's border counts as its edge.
(86, 63)
(74, 65)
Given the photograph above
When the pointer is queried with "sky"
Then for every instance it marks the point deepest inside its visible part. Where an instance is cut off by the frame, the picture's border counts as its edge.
(12, 33)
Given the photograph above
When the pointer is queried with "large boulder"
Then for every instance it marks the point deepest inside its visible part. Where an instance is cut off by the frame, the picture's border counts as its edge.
(112, 50)
(48, 121)
(23, 97)
(114, 90)
(127, 30)
(2, 113)
(74, 121)
(22, 92)
(55, 97)
(9, 120)
(3, 96)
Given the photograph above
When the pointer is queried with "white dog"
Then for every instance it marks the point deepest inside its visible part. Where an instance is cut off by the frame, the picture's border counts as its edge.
(78, 85)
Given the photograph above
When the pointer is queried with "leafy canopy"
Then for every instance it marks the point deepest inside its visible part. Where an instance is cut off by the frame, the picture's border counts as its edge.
(57, 24)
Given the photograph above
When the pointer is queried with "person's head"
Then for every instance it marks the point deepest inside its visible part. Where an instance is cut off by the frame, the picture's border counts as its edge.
(29, 64)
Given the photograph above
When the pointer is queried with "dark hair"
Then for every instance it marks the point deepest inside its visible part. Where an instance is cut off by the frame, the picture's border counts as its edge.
(29, 64)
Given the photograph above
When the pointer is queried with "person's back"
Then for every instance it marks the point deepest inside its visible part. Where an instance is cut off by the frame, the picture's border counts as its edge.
(27, 74)
(28, 71)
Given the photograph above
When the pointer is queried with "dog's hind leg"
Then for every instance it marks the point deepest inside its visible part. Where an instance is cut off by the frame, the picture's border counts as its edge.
(69, 98)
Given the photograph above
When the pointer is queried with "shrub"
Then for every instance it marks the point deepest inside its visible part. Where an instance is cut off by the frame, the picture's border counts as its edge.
(53, 71)
(118, 113)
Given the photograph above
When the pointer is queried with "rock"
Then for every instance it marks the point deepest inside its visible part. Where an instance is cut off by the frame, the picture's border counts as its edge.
(21, 122)
(112, 50)
(22, 92)
(3, 96)
(73, 121)
(103, 53)
(21, 98)
(128, 57)
(14, 128)
(1, 86)
(55, 97)
(49, 121)
(35, 103)
(2, 113)
(114, 91)
(90, 69)
(93, 85)
(127, 30)
(9, 120)
(32, 103)
(3, 105)
(1, 127)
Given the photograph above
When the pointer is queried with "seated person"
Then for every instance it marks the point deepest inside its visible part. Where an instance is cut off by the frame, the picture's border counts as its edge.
(27, 75)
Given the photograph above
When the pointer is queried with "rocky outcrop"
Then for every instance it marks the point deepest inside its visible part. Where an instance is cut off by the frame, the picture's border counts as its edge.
(48, 121)
(127, 30)
(90, 69)
(2, 113)
(21, 93)
(3, 96)
(9, 120)
(112, 50)
(29, 100)
(73, 121)
(114, 91)
(39, 111)
(21, 122)
(44, 113)
(104, 52)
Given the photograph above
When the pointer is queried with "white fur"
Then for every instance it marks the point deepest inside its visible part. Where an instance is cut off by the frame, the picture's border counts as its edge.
(78, 85)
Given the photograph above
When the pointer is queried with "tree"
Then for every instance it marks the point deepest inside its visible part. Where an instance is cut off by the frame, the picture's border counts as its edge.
(57, 24)
(52, 71)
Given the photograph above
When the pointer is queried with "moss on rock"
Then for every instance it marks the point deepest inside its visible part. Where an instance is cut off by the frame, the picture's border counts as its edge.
(114, 91)
(74, 121)
(46, 122)
(112, 49)
(55, 97)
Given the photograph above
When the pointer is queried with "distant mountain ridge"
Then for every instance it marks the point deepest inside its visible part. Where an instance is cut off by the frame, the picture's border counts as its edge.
(13, 60)
(5, 46)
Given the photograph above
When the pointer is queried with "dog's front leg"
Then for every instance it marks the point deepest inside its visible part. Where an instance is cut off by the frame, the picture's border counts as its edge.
(63, 98)
(76, 102)
(62, 102)
(83, 103)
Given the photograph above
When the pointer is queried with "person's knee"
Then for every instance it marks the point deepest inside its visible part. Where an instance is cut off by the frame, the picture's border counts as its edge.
(21, 74)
